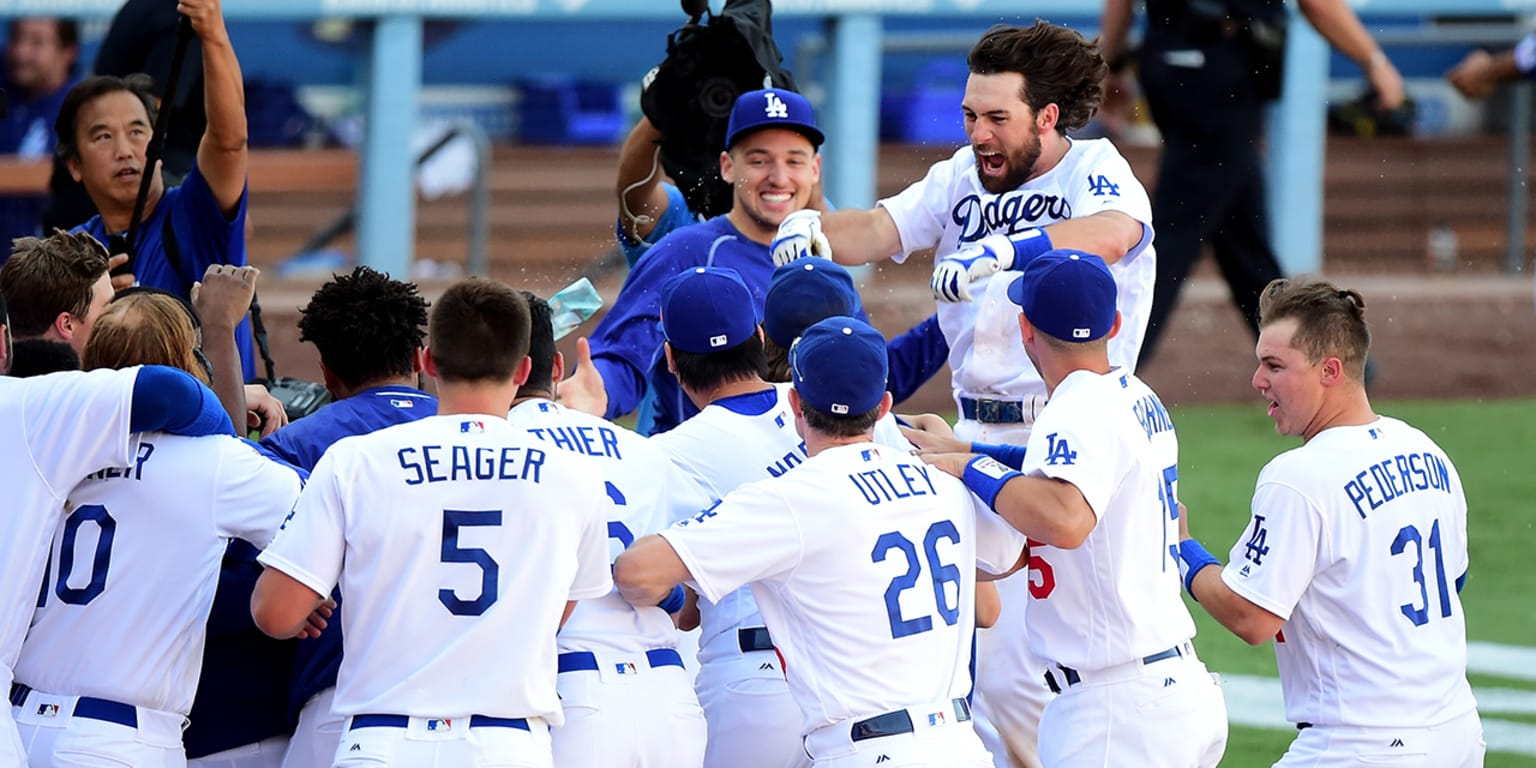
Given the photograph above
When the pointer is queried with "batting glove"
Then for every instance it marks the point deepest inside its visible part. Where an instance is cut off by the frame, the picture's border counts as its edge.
(800, 236)
(953, 274)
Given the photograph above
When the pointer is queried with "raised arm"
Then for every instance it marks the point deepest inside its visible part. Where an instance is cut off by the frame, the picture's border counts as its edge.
(221, 156)
(642, 198)
(1338, 24)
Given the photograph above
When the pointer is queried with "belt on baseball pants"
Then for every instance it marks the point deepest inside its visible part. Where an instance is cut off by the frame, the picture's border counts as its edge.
(1072, 677)
(88, 707)
(403, 721)
(1001, 411)
(754, 639)
(900, 721)
(586, 661)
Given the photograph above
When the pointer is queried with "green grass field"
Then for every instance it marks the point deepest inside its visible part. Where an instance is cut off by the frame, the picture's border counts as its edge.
(1493, 445)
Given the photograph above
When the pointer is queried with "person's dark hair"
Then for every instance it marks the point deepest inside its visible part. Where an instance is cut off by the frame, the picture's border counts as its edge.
(777, 360)
(703, 372)
(64, 128)
(479, 331)
(366, 326)
(1059, 67)
(1330, 321)
(49, 275)
(541, 344)
(40, 357)
(833, 425)
(69, 30)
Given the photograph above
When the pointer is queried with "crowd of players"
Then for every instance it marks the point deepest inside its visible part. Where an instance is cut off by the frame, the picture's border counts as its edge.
(497, 574)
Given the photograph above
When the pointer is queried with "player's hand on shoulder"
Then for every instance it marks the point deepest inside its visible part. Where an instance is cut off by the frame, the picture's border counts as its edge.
(927, 422)
(949, 463)
(935, 442)
(800, 236)
(954, 273)
(584, 390)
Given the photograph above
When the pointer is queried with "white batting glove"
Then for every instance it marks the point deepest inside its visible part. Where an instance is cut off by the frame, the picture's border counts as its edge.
(800, 236)
(953, 274)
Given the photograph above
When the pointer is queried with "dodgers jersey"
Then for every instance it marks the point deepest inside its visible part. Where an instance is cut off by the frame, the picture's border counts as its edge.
(864, 564)
(950, 209)
(1117, 597)
(134, 566)
(60, 428)
(457, 540)
(1358, 541)
(732, 442)
(641, 484)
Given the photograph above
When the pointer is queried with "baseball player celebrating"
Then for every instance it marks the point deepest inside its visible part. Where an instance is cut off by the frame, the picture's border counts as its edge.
(1355, 557)
(460, 543)
(628, 701)
(133, 702)
(884, 547)
(47, 454)
(1020, 188)
(1097, 497)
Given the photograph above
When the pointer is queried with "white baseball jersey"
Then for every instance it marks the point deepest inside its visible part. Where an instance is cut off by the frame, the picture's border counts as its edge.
(140, 547)
(59, 428)
(729, 443)
(950, 209)
(457, 540)
(1117, 597)
(640, 482)
(1358, 540)
(864, 564)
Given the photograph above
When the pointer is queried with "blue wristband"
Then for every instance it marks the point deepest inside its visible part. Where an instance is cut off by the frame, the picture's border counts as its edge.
(1028, 245)
(986, 478)
(1192, 559)
(674, 600)
(1011, 456)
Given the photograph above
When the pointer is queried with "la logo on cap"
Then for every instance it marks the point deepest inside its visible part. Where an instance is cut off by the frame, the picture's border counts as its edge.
(776, 106)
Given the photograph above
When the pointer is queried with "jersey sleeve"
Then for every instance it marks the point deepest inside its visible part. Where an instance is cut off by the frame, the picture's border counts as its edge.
(78, 424)
(922, 209)
(594, 576)
(751, 535)
(254, 493)
(1071, 444)
(310, 544)
(915, 357)
(1111, 185)
(1273, 563)
(998, 544)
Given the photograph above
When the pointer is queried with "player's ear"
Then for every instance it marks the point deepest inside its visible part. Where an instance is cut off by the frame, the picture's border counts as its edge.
(1114, 330)
(5, 349)
(1026, 330)
(666, 347)
(557, 369)
(727, 168)
(1331, 371)
(1047, 118)
(886, 403)
(418, 360)
(64, 326)
(331, 382)
(524, 370)
(427, 363)
(794, 402)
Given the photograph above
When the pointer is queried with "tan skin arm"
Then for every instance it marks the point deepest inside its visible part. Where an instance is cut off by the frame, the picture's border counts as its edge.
(283, 607)
(222, 154)
(1233, 611)
(1480, 72)
(989, 605)
(646, 572)
(861, 237)
(1050, 511)
(642, 199)
(1338, 24)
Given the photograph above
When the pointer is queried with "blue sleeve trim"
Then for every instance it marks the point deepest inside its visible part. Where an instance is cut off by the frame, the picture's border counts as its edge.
(674, 601)
(1011, 456)
(986, 478)
(914, 357)
(1461, 581)
(1028, 245)
(1193, 559)
(169, 400)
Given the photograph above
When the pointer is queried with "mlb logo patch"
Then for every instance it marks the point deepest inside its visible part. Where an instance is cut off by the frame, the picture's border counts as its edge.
(439, 725)
(718, 341)
(936, 718)
(471, 427)
(48, 710)
(625, 668)
(403, 403)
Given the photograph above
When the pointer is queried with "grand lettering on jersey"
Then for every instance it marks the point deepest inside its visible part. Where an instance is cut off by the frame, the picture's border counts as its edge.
(1007, 214)
(877, 485)
(790, 461)
(592, 441)
(439, 464)
(1396, 477)
(135, 472)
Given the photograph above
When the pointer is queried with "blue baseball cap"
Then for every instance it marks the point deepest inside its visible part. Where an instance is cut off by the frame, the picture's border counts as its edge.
(1067, 294)
(707, 309)
(803, 292)
(839, 366)
(772, 108)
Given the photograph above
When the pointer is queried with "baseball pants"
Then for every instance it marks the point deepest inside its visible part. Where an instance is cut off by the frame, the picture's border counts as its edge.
(315, 738)
(267, 753)
(1167, 714)
(82, 732)
(628, 714)
(937, 738)
(1455, 744)
(753, 721)
(429, 743)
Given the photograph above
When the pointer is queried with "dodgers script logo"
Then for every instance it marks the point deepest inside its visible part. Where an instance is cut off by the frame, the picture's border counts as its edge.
(1007, 214)
(776, 106)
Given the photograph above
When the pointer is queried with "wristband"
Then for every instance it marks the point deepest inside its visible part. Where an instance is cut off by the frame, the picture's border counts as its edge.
(1192, 559)
(1011, 456)
(1027, 246)
(986, 478)
(674, 600)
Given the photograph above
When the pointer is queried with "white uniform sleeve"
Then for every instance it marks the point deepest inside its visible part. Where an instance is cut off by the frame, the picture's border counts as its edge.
(254, 494)
(1075, 447)
(78, 424)
(1110, 185)
(888, 434)
(1273, 563)
(922, 210)
(311, 544)
(594, 575)
(998, 544)
(752, 535)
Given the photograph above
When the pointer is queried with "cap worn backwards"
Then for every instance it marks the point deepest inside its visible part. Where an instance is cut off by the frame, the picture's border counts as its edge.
(1067, 294)
(804, 292)
(707, 309)
(772, 108)
(839, 366)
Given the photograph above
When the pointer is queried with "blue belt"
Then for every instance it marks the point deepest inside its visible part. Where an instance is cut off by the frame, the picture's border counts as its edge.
(1073, 678)
(900, 721)
(88, 707)
(401, 721)
(992, 411)
(754, 639)
(586, 661)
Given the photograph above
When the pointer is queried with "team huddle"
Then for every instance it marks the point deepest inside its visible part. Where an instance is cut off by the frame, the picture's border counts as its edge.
(498, 574)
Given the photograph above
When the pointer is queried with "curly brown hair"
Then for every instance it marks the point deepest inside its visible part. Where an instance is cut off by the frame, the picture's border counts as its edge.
(1059, 66)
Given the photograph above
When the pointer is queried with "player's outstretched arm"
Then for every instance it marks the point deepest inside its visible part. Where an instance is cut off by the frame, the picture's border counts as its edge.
(1204, 583)
(221, 300)
(584, 390)
(283, 607)
(1045, 509)
(1110, 235)
(646, 572)
(169, 400)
